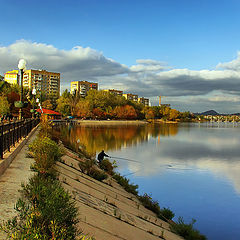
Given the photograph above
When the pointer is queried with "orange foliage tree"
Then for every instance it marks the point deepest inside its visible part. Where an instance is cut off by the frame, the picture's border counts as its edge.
(124, 112)
(99, 113)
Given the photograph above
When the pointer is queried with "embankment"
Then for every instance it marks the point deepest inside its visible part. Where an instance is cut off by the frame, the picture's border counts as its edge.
(106, 210)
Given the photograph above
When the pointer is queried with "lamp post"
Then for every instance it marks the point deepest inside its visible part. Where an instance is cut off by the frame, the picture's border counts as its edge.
(34, 92)
(22, 67)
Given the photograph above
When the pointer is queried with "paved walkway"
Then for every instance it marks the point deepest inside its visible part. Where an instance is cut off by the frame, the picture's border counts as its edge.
(10, 182)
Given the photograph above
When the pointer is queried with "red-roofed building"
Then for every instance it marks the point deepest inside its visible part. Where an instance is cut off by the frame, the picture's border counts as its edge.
(50, 113)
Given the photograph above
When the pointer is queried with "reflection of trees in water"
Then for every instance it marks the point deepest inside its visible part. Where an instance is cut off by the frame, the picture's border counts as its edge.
(96, 138)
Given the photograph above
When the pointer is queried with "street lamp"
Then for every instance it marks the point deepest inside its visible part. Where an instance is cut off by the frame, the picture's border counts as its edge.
(34, 93)
(22, 67)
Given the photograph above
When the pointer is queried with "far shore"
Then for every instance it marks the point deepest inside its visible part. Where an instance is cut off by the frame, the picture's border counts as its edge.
(112, 122)
(122, 122)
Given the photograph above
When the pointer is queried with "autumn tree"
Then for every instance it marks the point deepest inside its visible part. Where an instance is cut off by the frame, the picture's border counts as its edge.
(149, 114)
(125, 112)
(99, 113)
(47, 104)
(174, 114)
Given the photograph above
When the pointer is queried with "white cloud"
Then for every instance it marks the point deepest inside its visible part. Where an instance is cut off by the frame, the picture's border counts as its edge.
(232, 65)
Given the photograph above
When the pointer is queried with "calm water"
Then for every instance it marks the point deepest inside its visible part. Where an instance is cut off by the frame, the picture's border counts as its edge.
(194, 169)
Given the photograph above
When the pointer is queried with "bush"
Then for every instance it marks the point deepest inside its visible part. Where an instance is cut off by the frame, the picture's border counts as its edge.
(98, 175)
(149, 203)
(166, 213)
(45, 127)
(107, 166)
(87, 167)
(186, 230)
(124, 182)
(45, 211)
(45, 152)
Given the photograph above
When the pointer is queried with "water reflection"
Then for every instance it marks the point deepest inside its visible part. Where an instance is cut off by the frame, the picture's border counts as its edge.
(96, 138)
(211, 147)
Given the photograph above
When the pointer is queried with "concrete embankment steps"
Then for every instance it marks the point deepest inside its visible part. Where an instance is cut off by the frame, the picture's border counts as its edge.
(108, 211)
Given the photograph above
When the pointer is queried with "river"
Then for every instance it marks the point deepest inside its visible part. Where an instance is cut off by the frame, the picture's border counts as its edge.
(192, 168)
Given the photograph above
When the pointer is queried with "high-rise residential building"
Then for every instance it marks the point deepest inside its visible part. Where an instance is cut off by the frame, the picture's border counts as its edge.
(115, 92)
(82, 87)
(131, 97)
(43, 81)
(12, 77)
(144, 101)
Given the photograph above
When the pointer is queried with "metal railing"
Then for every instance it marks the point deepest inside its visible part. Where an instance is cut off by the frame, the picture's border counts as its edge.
(12, 132)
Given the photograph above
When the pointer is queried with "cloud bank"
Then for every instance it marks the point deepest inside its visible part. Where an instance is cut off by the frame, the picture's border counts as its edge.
(185, 89)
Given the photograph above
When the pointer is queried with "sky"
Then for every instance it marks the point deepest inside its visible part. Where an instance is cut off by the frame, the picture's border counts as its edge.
(186, 51)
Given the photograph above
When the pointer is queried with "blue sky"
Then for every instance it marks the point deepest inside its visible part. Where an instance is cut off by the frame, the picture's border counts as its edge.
(186, 50)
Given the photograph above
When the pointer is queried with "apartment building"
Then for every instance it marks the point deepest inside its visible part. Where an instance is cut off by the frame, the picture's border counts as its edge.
(42, 81)
(115, 92)
(83, 87)
(144, 101)
(12, 77)
(131, 97)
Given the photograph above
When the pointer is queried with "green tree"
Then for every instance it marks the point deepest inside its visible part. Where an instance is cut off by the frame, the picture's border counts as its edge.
(83, 109)
(4, 105)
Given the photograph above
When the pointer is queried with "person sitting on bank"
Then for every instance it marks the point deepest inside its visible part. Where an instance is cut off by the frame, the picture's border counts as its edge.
(101, 156)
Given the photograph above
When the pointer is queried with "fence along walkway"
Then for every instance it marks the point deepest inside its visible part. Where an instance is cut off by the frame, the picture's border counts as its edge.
(11, 133)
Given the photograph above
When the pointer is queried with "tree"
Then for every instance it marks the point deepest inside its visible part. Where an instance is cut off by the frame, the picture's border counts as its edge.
(124, 112)
(47, 104)
(99, 113)
(63, 106)
(83, 109)
(174, 114)
(164, 112)
(149, 114)
(4, 105)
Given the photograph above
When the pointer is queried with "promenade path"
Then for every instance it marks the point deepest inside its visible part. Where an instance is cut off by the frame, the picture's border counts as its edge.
(10, 182)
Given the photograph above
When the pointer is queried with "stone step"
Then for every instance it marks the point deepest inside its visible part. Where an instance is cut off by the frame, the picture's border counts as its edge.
(114, 211)
(117, 227)
(95, 188)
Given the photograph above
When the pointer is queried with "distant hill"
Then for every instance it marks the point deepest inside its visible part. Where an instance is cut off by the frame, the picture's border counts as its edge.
(209, 112)
(214, 113)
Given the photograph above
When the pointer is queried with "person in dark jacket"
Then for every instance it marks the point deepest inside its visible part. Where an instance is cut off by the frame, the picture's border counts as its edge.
(101, 156)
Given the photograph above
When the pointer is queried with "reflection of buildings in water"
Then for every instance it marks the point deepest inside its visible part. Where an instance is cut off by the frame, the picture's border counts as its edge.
(114, 138)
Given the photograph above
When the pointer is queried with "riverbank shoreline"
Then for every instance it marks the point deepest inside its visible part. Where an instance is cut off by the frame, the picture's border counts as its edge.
(112, 122)
(122, 122)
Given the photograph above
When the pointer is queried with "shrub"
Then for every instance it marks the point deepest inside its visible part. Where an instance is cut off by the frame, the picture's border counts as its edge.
(124, 182)
(45, 152)
(45, 211)
(45, 127)
(149, 203)
(186, 230)
(87, 167)
(107, 166)
(166, 213)
(98, 175)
